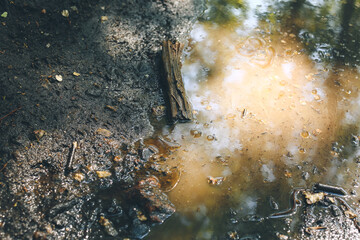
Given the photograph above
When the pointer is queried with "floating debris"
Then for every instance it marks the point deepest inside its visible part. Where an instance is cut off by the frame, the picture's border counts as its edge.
(312, 198)
(195, 133)
(76, 74)
(4, 14)
(210, 137)
(273, 204)
(230, 116)
(302, 150)
(317, 97)
(316, 132)
(244, 113)
(304, 134)
(223, 160)
(103, 174)
(215, 180)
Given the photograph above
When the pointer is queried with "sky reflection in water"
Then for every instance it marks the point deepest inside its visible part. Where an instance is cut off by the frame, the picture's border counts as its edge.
(276, 104)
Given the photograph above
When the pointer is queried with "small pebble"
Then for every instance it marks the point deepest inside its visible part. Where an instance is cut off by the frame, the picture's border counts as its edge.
(59, 78)
(65, 13)
(103, 174)
(79, 177)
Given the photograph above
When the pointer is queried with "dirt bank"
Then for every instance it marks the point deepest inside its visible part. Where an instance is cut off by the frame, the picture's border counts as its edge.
(84, 72)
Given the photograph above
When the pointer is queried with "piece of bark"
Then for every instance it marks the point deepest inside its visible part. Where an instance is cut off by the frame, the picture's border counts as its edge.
(180, 109)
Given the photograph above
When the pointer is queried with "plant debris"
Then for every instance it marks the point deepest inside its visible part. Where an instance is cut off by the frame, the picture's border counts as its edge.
(309, 230)
(215, 180)
(65, 13)
(103, 174)
(104, 18)
(312, 198)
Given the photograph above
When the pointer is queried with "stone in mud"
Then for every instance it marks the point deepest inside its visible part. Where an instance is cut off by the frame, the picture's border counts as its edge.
(39, 134)
(79, 177)
(155, 203)
(39, 235)
(139, 230)
(108, 226)
(103, 132)
(335, 210)
(103, 174)
(305, 176)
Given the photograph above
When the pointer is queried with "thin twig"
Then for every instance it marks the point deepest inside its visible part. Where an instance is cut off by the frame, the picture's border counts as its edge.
(10, 113)
(69, 165)
(3, 167)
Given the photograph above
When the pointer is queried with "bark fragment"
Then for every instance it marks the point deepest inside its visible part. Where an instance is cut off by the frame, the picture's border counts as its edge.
(180, 109)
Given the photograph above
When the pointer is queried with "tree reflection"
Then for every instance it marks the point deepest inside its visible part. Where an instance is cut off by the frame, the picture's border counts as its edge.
(224, 12)
(328, 30)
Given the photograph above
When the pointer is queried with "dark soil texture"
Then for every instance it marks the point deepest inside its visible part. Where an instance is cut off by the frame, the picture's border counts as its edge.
(78, 83)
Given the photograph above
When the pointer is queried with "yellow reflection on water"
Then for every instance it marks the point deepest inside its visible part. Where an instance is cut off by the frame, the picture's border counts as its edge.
(262, 107)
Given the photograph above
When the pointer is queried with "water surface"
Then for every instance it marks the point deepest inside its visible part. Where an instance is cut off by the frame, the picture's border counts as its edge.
(275, 94)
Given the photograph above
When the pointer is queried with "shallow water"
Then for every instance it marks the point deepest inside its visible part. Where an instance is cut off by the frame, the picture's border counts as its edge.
(275, 98)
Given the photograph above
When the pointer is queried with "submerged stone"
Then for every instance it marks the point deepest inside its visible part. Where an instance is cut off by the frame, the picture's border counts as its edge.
(156, 204)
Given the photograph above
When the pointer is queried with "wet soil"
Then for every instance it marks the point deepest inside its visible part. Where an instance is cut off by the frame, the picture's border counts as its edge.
(90, 75)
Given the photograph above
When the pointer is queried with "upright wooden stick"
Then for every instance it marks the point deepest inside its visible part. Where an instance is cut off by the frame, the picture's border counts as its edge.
(180, 109)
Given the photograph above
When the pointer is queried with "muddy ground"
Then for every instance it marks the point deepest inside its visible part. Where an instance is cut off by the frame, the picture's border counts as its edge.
(78, 89)
(107, 58)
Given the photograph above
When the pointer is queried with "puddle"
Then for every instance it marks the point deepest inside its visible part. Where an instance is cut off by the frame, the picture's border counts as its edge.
(276, 102)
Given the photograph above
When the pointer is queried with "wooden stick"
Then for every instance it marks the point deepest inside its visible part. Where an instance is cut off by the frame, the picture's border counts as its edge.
(180, 109)
(329, 189)
(68, 167)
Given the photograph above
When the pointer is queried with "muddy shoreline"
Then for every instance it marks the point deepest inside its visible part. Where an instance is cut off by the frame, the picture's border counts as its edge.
(88, 73)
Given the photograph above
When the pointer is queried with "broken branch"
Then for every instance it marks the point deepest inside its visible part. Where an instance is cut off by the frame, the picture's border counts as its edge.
(10, 113)
(179, 106)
